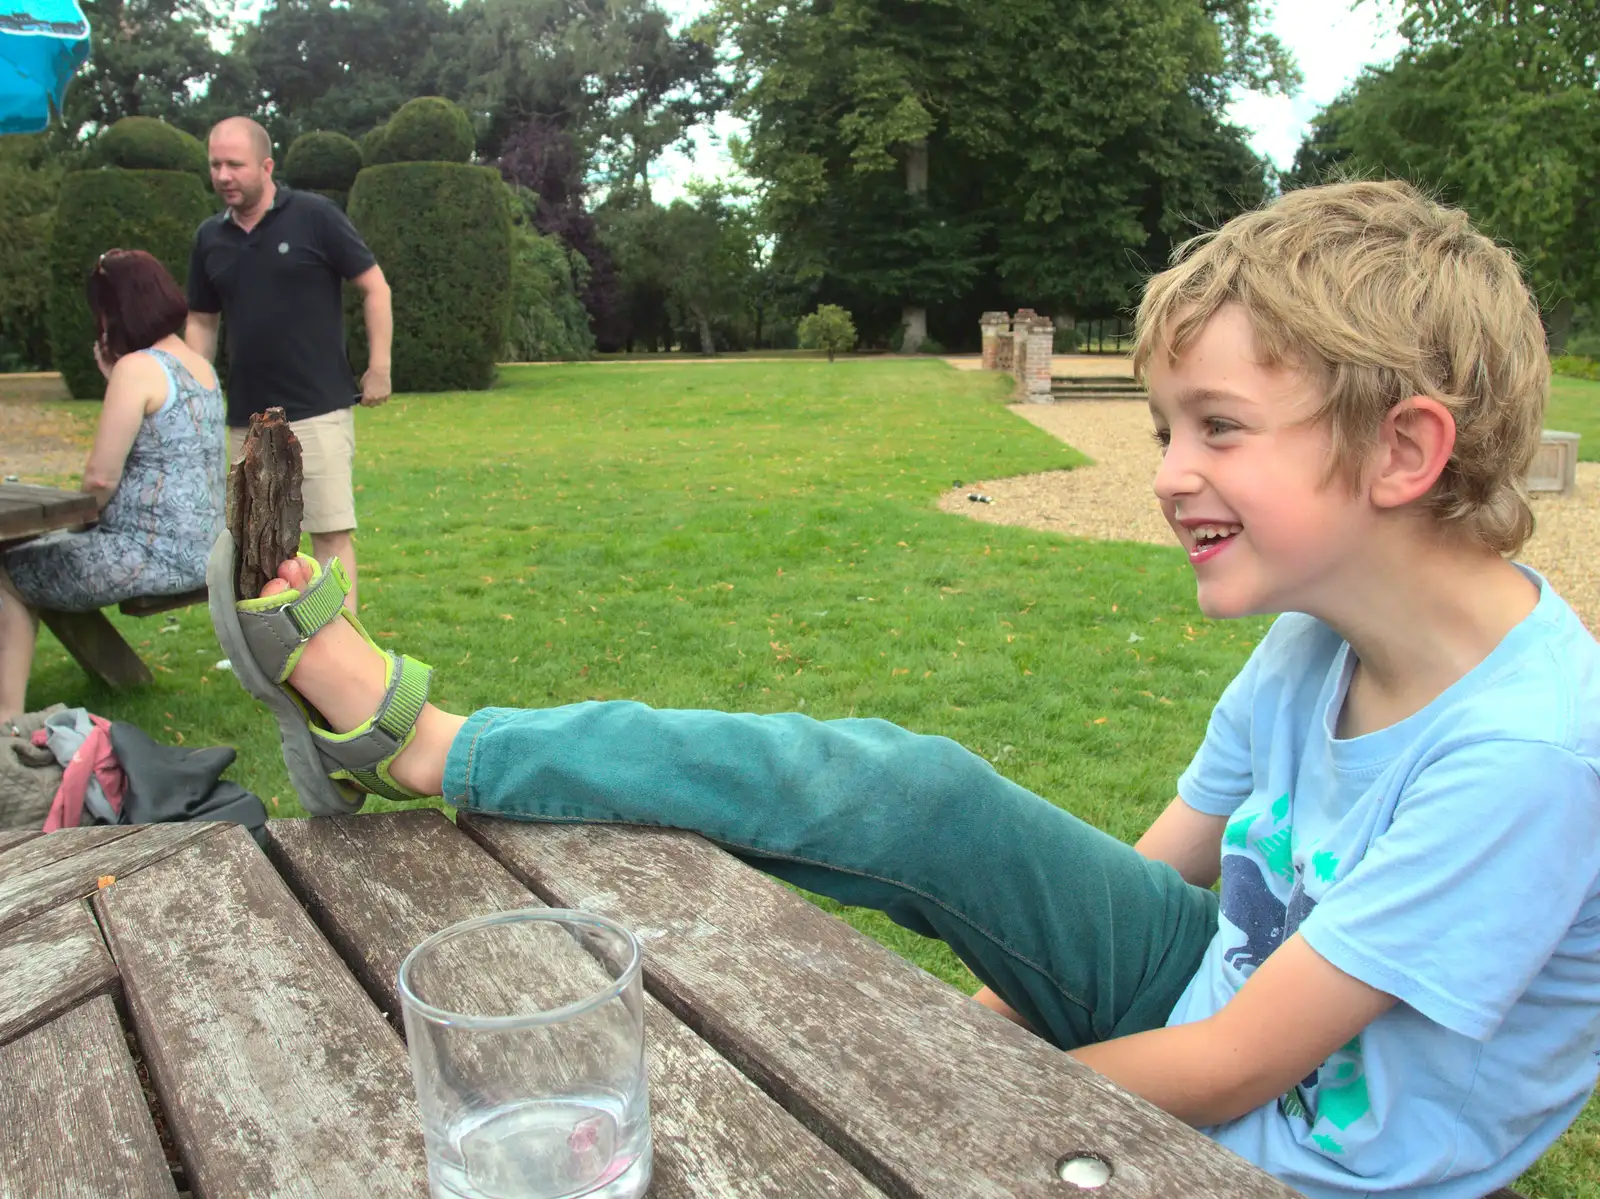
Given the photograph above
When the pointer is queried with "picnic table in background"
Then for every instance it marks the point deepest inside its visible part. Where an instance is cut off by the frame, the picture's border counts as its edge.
(28, 511)
(790, 1056)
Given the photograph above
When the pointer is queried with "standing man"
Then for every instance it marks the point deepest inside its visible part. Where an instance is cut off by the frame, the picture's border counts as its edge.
(273, 262)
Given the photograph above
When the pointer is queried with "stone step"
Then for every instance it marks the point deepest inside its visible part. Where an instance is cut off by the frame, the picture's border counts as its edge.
(1097, 387)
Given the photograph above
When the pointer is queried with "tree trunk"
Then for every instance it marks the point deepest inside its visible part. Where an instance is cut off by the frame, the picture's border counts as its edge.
(913, 317)
(707, 345)
(1557, 325)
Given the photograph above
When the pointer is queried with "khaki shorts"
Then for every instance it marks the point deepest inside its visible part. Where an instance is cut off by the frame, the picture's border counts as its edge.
(327, 451)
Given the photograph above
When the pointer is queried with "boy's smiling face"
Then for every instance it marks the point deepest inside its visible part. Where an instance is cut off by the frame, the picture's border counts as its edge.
(1245, 476)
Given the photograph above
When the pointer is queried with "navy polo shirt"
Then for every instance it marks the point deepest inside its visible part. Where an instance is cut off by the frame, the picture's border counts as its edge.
(279, 290)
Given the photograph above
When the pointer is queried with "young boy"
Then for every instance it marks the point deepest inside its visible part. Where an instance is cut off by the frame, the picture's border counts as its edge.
(1398, 992)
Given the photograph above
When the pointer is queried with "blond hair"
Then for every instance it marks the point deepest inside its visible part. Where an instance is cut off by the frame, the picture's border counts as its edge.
(1380, 294)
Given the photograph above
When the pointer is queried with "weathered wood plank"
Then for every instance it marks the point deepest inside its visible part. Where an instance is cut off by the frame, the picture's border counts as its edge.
(927, 1092)
(47, 848)
(67, 865)
(11, 837)
(49, 964)
(73, 1121)
(276, 1074)
(96, 646)
(379, 884)
(26, 510)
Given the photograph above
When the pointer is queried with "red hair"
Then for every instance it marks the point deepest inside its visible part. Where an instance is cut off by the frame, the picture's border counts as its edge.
(135, 302)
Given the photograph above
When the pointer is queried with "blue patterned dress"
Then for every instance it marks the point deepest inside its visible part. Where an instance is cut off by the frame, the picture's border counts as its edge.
(154, 535)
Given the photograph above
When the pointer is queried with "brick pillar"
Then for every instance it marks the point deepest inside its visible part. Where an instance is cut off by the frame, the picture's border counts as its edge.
(1040, 336)
(1020, 324)
(994, 326)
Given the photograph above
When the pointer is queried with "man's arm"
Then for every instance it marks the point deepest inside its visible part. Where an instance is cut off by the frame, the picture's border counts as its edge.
(379, 313)
(1294, 1011)
(201, 333)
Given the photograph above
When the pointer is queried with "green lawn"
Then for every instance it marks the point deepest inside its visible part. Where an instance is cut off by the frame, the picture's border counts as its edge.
(762, 538)
(1575, 408)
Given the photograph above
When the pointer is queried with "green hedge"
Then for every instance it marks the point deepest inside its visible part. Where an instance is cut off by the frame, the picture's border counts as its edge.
(442, 233)
(322, 162)
(371, 144)
(157, 211)
(1575, 367)
(146, 144)
(427, 129)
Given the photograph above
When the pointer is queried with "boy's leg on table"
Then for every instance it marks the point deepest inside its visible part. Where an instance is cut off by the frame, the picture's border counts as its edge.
(1074, 930)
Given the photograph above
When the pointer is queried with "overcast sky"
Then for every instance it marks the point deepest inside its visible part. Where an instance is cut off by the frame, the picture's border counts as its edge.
(1330, 39)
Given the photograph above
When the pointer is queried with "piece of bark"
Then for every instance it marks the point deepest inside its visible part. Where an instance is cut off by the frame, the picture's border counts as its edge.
(264, 501)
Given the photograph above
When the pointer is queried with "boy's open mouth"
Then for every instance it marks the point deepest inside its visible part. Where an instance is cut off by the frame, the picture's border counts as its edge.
(1207, 541)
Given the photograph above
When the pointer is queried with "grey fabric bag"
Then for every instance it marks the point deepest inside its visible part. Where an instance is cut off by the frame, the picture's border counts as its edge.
(29, 776)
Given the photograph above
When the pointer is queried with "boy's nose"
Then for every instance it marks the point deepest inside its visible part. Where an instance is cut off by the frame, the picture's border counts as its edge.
(1175, 477)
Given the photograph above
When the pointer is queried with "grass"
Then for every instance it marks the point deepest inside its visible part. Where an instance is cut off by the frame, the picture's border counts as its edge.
(1575, 408)
(760, 538)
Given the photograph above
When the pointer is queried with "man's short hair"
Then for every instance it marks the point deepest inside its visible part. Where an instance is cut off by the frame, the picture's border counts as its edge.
(260, 142)
(1380, 294)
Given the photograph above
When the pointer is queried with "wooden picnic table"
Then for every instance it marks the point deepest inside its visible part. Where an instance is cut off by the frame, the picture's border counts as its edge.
(28, 511)
(223, 1021)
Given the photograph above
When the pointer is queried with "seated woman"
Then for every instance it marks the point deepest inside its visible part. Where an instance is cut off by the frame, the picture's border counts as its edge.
(158, 470)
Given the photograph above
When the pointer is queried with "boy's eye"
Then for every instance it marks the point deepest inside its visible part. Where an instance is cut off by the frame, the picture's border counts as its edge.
(1163, 437)
(1216, 426)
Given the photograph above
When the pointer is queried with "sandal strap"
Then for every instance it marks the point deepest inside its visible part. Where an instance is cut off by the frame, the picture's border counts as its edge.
(275, 635)
(363, 754)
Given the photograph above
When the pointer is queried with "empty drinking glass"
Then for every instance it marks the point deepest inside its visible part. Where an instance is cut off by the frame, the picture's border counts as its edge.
(526, 1033)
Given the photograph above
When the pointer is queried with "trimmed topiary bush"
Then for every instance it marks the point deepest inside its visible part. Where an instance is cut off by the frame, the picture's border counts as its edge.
(155, 211)
(340, 198)
(146, 144)
(322, 162)
(427, 129)
(442, 233)
(371, 144)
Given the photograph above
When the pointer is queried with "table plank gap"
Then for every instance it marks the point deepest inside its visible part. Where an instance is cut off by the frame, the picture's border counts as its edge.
(49, 872)
(379, 884)
(50, 964)
(274, 1070)
(73, 1121)
(917, 1085)
(10, 838)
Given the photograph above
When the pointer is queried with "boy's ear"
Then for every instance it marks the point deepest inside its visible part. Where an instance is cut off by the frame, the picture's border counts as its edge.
(1415, 442)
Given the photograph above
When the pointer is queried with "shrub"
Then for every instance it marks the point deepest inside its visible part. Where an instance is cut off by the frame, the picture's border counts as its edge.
(548, 320)
(146, 144)
(1575, 367)
(442, 233)
(427, 129)
(828, 328)
(156, 211)
(322, 162)
(371, 145)
(342, 199)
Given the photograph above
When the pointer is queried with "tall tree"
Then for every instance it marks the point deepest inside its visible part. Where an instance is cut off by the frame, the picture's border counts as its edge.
(342, 65)
(149, 58)
(918, 153)
(1496, 106)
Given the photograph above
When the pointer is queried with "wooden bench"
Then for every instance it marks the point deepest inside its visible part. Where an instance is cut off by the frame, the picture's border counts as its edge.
(95, 644)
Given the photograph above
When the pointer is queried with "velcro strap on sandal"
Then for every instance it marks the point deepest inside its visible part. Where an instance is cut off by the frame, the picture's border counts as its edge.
(362, 753)
(274, 634)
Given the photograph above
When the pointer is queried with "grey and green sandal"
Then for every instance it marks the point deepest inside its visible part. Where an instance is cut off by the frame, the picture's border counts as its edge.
(263, 638)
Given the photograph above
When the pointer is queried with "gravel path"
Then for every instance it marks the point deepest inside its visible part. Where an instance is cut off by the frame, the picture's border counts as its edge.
(1111, 500)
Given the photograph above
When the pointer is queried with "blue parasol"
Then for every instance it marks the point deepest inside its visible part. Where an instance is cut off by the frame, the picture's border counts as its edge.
(42, 42)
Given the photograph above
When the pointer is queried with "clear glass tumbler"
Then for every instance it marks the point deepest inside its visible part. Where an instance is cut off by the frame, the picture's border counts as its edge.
(526, 1034)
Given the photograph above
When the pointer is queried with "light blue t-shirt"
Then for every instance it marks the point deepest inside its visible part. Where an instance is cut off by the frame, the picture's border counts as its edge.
(1451, 860)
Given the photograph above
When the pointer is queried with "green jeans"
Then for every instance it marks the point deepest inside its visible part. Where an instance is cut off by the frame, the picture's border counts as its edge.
(1081, 935)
